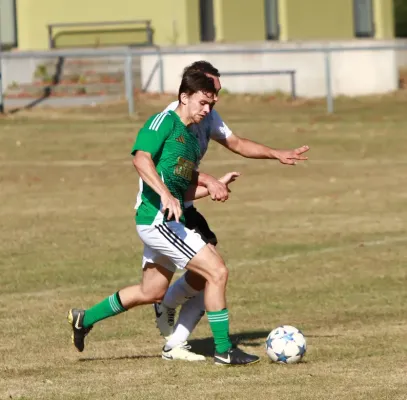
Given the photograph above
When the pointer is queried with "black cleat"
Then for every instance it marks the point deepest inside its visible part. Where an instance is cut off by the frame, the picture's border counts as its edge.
(75, 318)
(235, 356)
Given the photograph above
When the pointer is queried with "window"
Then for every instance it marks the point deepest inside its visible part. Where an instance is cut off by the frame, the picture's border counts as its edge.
(8, 24)
(363, 18)
(206, 18)
(271, 19)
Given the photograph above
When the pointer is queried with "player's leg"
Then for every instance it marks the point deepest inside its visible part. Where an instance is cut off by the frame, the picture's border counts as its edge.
(152, 288)
(191, 252)
(157, 273)
(190, 314)
(186, 287)
(177, 246)
(210, 265)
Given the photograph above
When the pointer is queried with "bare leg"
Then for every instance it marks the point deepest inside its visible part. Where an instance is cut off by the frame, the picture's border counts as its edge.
(210, 265)
(151, 289)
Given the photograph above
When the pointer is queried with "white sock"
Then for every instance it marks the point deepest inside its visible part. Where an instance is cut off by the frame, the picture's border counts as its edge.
(178, 293)
(189, 316)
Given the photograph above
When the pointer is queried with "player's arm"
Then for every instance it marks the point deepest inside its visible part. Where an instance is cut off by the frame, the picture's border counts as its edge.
(144, 165)
(198, 192)
(149, 143)
(250, 149)
(217, 190)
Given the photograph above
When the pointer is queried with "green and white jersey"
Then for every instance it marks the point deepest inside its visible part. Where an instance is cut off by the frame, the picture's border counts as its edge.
(175, 152)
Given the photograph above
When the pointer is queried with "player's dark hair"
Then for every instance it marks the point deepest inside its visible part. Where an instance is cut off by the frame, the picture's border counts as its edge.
(201, 66)
(196, 81)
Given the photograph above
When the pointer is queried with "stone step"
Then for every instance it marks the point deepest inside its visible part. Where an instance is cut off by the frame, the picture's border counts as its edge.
(84, 78)
(46, 76)
(85, 65)
(67, 89)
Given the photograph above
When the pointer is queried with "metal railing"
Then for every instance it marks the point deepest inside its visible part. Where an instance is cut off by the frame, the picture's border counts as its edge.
(129, 53)
(146, 25)
(290, 72)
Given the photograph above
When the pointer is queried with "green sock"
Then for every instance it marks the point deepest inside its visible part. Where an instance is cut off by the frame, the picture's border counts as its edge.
(106, 308)
(219, 323)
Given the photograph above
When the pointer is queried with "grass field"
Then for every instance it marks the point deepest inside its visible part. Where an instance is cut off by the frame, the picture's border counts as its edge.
(321, 246)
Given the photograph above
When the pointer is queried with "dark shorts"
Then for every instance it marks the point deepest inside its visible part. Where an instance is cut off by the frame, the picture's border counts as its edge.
(195, 220)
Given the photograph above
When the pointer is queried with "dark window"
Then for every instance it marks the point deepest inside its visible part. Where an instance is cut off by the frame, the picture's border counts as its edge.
(8, 24)
(206, 19)
(363, 18)
(271, 17)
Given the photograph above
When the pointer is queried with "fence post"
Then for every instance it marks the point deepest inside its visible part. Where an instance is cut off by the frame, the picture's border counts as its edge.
(328, 80)
(1, 77)
(293, 88)
(51, 43)
(128, 82)
(161, 71)
(1, 83)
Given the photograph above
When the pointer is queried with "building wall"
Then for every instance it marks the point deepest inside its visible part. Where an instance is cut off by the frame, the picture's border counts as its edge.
(174, 21)
(353, 73)
(317, 19)
(384, 19)
(7, 23)
(239, 20)
(333, 19)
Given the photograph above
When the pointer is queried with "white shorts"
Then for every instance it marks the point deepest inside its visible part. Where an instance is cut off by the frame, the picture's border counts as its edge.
(171, 245)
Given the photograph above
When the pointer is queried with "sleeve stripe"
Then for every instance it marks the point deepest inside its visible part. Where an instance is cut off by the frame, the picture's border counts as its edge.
(154, 120)
(156, 123)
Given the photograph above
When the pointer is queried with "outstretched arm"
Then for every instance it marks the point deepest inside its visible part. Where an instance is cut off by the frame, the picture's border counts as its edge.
(249, 149)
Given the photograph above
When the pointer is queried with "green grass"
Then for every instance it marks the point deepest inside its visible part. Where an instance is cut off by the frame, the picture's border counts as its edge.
(321, 246)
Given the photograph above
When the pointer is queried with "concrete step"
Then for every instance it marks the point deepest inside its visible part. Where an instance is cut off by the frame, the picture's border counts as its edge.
(84, 78)
(83, 75)
(90, 65)
(67, 89)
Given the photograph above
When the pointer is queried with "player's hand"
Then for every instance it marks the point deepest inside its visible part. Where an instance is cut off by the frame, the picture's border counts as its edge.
(291, 157)
(217, 190)
(229, 178)
(173, 206)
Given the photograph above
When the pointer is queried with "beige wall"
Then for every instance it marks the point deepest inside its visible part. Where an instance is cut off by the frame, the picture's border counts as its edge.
(239, 20)
(174, 21)
(316, 19)
(384, 18)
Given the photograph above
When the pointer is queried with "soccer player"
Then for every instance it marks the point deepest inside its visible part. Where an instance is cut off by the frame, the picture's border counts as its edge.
(166, 155)
(187, 291)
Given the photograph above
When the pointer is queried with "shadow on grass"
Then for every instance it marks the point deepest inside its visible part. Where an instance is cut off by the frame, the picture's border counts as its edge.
(202, 346)
(132, 357)
(206, 347)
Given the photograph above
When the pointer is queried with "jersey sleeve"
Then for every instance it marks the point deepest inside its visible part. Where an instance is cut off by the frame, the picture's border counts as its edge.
(218, 129)
(153, 134)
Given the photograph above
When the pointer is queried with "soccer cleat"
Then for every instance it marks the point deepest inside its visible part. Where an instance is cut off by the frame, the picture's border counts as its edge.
(75, 318)
(181, 352)
(235, 356)
(164, 318)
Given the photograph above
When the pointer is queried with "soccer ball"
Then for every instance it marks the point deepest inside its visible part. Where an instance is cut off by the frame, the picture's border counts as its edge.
(286, 345)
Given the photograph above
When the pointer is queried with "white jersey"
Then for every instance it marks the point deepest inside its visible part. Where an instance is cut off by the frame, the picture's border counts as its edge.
(211, 127)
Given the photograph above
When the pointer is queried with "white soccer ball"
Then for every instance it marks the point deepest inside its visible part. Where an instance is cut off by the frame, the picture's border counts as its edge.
(286, 345)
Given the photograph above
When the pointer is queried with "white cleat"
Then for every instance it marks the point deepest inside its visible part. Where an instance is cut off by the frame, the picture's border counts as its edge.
(181, 352)
(164, 318)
